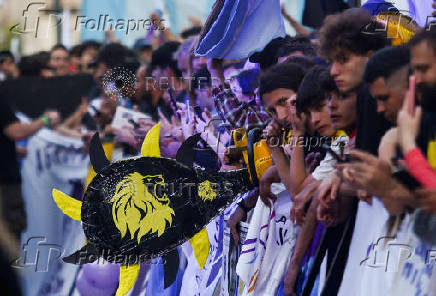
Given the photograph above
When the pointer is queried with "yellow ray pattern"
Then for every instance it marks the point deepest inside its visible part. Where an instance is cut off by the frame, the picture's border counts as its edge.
(201, 246)
(150, 146)
(128, 276)
(68, 205)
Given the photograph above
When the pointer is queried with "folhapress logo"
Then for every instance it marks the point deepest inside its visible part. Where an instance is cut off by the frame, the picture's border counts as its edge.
(32, 22)
(37, 253)
(38, 20)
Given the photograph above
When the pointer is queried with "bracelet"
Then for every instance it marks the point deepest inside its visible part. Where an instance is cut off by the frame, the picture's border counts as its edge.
(46, 120)
(243, 206)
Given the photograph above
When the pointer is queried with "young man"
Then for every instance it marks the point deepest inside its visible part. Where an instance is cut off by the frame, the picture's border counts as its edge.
(375, 174)
(343, 42)
(8, 68)
(12, 212)
(423, 59)
(312, 103)
(387, 74)
(87, 55)
(60, 60)
(348, 47)
(277, 86)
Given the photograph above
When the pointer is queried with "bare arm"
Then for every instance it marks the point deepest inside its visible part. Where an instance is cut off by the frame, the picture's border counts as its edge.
(69, 132)
(300, 29)
(281, 162)
(17, 131)
(297, 167)
(304, 240)
(398, 197)
(270, 176)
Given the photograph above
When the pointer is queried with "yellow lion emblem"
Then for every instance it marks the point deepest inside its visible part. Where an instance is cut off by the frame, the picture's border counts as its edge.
(207, 191)
(135, 207)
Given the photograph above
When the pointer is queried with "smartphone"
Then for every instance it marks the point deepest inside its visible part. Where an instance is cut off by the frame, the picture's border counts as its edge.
(411, 98)
(341, 159)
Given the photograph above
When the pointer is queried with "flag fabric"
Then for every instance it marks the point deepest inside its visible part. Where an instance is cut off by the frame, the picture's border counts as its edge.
(242, 28)
(268, 247)
(53, 161)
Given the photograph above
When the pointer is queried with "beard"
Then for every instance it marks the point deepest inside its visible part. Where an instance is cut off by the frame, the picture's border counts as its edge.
(428, 96)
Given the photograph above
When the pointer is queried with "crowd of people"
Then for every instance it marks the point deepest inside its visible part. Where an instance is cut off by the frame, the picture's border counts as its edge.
(352, 152)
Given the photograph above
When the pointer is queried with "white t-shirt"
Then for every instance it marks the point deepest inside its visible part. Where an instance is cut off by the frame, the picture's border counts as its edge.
(370, 223)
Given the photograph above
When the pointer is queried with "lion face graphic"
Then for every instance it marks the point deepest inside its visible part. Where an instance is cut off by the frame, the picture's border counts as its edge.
(137, 209)
(207, 191)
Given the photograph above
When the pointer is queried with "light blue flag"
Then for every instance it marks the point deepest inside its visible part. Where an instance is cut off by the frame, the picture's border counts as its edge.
(96, 10)
(242, 28)
(155, 283)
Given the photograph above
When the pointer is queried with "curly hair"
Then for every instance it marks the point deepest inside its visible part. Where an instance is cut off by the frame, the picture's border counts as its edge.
(348, 31)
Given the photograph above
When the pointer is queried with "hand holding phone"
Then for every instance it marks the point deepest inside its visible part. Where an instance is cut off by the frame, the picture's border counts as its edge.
(173, 102)
(339, 159)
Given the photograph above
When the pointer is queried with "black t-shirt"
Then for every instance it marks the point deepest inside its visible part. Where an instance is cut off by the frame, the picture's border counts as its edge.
(9, 171)
(371, 126)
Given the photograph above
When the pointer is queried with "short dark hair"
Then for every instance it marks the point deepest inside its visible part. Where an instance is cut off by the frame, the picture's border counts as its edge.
(164, 57)
(345, 31)
(298, 43)
(29, 66)
(313, 90)
(286, 75)
(303, 62)
(89, 44)
(201, 79)
(75, 50)
(59, 46)
(116, 55)
(131, 61)
(112, 55)
(428, 36)
(386, 62)
(43, 57)
(268, 56)
(4, 54)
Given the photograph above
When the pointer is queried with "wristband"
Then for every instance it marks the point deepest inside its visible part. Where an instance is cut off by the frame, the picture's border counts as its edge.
(46, 120)
(243, 206)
